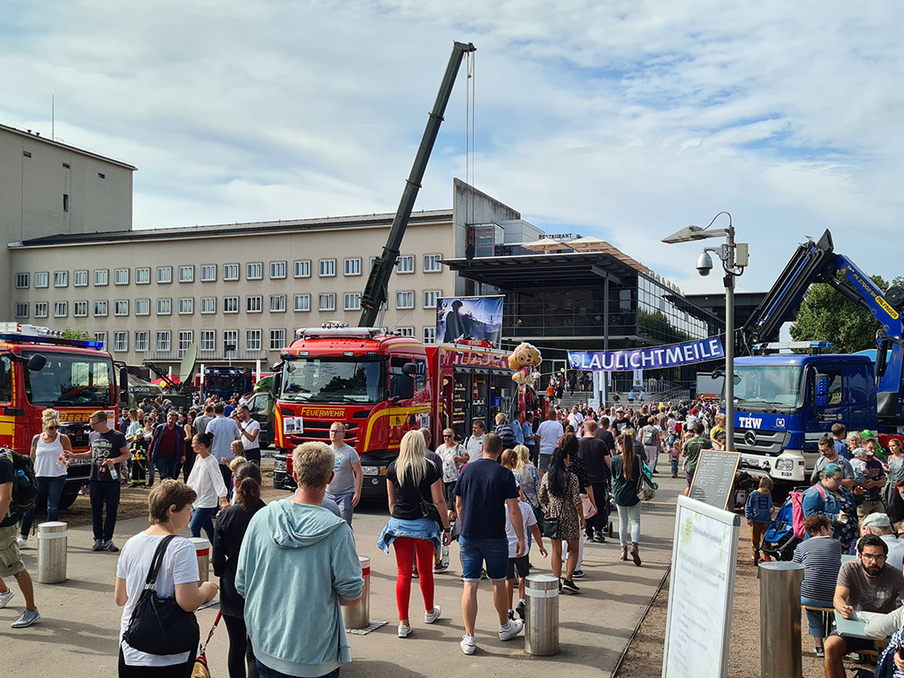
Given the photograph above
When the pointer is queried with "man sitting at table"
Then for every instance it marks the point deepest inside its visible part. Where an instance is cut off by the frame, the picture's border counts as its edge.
(864, 585)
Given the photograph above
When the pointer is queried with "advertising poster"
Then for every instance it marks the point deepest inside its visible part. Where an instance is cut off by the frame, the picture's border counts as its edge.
(478, 318)
(639, 359)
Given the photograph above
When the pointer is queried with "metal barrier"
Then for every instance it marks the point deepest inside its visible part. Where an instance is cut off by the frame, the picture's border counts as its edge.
(202, 550)
(53, 541)
(358, 616)
(541, 629)
(780, 619)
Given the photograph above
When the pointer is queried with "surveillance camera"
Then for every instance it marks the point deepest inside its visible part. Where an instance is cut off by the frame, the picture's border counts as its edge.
(704, 264)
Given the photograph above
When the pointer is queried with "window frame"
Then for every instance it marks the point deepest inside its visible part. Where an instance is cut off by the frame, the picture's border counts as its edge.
(405, 258)
(326, 296)
(259, 267)
(301, 265)
(101, 277)
(164, 275)
(274, 270)
(116, 276)
(164, 302)
(206, 269)
(101, 308)
(228, 269)
(143, 271)
(296, 298)
(326, 268)
(189, 273)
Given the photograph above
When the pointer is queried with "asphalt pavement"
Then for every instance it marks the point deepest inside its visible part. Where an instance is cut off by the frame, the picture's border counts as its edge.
(77, 635)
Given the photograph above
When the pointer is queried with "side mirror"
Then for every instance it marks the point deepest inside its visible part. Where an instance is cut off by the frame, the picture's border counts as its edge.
(36, 362)
(409, 368)
(124, 385)
(276, 384)
(406, 384)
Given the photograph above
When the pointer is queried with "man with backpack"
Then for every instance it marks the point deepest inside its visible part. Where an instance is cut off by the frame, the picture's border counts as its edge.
(504, 431)
(11, 564)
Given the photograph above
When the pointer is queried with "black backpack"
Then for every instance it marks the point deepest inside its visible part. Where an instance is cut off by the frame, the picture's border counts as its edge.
(24, 484)
(505, 432)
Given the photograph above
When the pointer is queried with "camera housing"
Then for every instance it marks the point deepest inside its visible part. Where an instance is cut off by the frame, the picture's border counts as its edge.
(704, 264)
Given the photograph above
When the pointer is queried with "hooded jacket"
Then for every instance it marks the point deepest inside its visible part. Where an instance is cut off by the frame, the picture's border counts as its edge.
(295, 562)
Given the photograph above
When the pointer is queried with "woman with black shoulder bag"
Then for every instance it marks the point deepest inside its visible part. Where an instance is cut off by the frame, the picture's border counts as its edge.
(157, 585)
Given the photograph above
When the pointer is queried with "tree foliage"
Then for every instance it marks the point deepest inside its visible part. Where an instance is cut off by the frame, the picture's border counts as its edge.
(826, 315)
(70, 333)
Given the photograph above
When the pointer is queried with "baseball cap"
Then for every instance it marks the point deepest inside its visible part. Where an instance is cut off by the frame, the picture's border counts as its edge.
(877, 520)
(862, 452)
(694, 410)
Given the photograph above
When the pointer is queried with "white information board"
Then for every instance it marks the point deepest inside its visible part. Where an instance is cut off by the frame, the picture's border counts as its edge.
(704, 560)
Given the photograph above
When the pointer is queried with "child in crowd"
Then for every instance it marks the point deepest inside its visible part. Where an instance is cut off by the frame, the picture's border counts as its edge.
(139, 458)
(519, 568)
(859, 465)
(674, 454)
(758, 512)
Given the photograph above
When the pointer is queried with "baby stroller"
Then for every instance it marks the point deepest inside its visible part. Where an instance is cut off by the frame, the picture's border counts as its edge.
(779, 541)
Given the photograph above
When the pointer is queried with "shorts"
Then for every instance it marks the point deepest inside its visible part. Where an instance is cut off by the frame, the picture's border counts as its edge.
(522, 565)
(254, 454)
(544, 462)
(690, 475)
(10, 560)
(855, 644)
(475, 552)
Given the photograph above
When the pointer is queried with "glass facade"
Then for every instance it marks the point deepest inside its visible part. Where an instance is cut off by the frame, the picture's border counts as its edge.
(659, 319)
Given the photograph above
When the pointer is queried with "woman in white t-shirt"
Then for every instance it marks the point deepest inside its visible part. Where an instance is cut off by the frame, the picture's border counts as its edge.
(47, 450)
(206, 480)
(169, 508)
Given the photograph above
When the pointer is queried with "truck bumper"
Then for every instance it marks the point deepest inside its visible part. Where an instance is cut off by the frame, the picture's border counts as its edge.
(789, 466)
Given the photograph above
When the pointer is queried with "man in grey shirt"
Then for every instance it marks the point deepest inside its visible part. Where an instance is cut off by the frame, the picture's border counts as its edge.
(348, 477)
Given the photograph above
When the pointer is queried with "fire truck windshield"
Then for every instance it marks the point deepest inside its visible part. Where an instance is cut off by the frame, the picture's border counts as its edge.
(333, 380)
(764, 387)
(70, 379)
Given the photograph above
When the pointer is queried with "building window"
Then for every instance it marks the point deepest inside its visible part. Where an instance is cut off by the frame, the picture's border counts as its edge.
(101, 277)
(208, 340)
(163, 340)
(101, 175)
(120, 341)
(42, 279)
(22, 281)
(61, 279)
(142, 307)
(405, 331)
(277, 339)
(101, 338)
(327, 302)
(405, 264)
(142, 277)
(100, 309)
(230, 271)
(277, 303)
(373, 260)
(60, 309)
(302, 302)
(141, 340)
(186, 274)
(208, 273)
(186, 306)
(27, 154)
(121, 307)
(353, 266)
(164, 274)
(254, 271)
(186, 337)
(79, 309)
(327, 268)
(208, 304)
(277, 270)
(302, 268)
(404, 300)
(430, 335)
(433, 263)
(41, 309)
(230, 304)
(253, 340)
(430, 297)
(66, 165)
(65, 202)
(254, 304)
(230, 341)
(351, 301)
(164, 307)
(80, 278)
(121, 276)
(21, 310)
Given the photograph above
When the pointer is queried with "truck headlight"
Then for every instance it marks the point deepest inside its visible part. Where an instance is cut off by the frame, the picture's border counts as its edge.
(279, 466)
(371, 470)
(784, 465)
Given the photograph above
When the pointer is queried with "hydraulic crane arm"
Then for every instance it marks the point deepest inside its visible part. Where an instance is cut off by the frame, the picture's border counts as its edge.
(376, 291)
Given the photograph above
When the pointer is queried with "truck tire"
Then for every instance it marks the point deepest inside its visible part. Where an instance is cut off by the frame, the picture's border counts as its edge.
(68, 497)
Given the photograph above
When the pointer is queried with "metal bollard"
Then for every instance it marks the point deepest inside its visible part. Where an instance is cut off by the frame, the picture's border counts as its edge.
(541, 632)
(53, 541)
(202, 550)
(358, 616)
(780, 619)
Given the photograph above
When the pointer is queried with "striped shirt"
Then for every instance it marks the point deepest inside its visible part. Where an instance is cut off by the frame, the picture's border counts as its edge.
(821, 557)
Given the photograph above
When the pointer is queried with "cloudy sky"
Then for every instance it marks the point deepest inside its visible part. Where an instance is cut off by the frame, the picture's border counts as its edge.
(623, 119)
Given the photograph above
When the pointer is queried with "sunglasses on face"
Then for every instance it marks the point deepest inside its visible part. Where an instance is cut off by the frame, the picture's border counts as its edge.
(50, 428)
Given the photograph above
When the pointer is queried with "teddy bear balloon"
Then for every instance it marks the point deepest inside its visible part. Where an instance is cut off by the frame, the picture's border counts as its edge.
(523, 361)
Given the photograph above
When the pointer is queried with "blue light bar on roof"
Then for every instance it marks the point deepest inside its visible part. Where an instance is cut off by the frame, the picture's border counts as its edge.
(59, 341)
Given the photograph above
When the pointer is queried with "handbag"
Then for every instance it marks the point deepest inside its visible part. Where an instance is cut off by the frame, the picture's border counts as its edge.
(646, 488)
(158, 625)
(201, 669)
(549, 526)
(589, 509)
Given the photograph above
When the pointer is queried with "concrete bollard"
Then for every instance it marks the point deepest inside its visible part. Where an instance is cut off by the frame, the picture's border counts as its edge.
(202, 550)
(541, 629)
(780, 619)
(53, 541)
(358, 617)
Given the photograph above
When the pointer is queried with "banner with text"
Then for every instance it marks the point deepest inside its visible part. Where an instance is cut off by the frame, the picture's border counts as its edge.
(656, 357)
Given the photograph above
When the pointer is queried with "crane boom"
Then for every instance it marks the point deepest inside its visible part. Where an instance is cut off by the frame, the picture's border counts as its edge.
(376, 291)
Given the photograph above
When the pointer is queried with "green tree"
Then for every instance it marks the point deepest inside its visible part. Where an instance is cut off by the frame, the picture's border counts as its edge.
(70, 333)
(826, 315)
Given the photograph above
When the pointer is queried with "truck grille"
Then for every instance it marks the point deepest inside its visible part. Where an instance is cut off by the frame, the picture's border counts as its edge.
(753, 441)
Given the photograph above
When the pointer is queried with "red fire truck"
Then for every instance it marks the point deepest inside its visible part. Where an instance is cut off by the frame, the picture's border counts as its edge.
(381, 385)
(41, 369)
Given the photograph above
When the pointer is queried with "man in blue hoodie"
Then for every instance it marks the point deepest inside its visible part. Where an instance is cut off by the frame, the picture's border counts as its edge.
(296, 628)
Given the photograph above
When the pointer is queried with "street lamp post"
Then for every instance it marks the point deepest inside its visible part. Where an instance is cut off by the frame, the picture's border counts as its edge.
(734, 258)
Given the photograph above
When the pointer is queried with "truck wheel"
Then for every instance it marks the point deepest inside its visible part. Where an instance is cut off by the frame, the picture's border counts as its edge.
(68, 497)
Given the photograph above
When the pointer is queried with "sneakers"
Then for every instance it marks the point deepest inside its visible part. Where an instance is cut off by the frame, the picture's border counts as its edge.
(570, 586)
(26, 619)
(820, 652)
(433, 615)
(578, 574)
(439, 567)
(468, 644)
(510, 630)
(109, 546)
(599, 537)
(98, 545)
(520, 610)
(404, 631)
(5, 598)
(22, 541)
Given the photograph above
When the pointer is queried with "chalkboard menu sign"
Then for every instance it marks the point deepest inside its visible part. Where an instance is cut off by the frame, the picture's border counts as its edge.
(714, 478)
